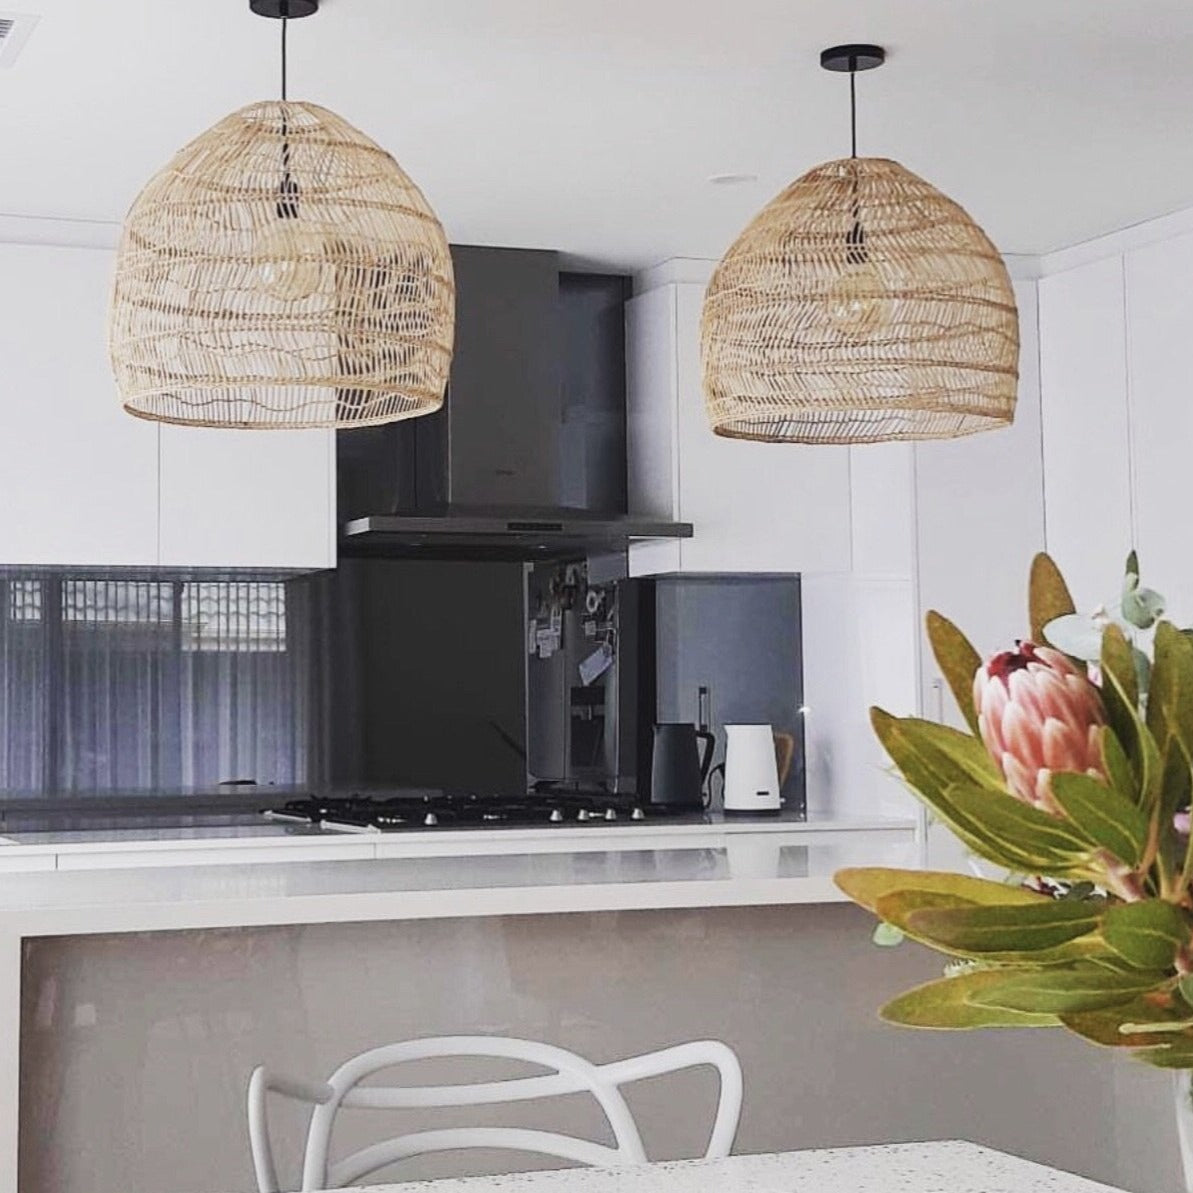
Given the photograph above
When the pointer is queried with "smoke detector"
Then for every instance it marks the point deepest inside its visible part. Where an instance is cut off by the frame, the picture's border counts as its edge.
(15, 28)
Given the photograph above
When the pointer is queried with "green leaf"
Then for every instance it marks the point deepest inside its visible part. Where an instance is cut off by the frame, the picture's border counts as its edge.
(1062, 991)
(1147, 934)
(1005, 929)
(1170, 698)
(1120, 697)
(1185, 985)
(1178, 1055)
(1117, 662)
(1102, 815)
(1029, 840)
(1104, 1026)
(1132, 568)
(947, 1004)
(1117, 766)
(866, 885)
(932, 758)
(958, 662)
(900, 909)
(1048, 595)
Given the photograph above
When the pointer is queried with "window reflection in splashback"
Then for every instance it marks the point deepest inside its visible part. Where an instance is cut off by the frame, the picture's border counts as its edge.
(149, 682)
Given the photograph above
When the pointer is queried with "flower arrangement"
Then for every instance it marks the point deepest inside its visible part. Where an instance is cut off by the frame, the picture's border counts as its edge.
(1075, 777)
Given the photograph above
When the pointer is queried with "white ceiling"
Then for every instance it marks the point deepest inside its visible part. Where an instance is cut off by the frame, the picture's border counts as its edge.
(593, 127)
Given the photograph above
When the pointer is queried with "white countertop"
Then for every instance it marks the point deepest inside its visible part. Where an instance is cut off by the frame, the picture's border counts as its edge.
(718, 866)
(951, 1167)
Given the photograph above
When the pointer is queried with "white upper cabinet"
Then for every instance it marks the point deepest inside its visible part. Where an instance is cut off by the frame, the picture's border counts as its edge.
(84, 484)
(1159, 306)
(980, 520)
(247, 499)
(755, 507)
(1087, 437)
(78, 483)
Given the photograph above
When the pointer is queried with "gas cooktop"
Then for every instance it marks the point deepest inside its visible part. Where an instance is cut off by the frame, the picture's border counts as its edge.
(422, 810)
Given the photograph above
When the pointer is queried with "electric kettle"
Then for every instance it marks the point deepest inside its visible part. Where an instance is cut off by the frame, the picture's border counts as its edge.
(757, 761)
(678, 766)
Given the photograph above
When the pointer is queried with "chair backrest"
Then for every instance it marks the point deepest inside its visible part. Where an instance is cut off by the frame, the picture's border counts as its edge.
(567, 1074)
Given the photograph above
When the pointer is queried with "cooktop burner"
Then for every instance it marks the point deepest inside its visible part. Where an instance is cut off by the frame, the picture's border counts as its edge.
(412, 810)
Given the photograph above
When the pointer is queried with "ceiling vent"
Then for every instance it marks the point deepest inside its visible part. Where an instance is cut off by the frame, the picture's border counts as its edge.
(15, 28)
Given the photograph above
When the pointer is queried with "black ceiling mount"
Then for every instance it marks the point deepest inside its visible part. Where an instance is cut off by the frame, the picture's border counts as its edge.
(850, 58)
(290, 9)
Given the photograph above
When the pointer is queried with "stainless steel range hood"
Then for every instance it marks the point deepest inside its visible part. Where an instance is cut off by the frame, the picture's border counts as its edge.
(559, 534)
(527, 458)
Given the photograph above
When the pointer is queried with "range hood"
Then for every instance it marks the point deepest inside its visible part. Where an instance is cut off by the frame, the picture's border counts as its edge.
(484, 534)
(527, 458)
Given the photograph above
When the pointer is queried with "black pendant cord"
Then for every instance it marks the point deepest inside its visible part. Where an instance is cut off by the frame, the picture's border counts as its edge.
(853, 110)
(287, 204)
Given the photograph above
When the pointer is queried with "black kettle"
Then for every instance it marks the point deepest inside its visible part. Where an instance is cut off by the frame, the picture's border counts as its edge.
(678, 766)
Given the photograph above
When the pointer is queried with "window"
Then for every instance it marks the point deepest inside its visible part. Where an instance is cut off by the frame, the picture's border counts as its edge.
(117, 683)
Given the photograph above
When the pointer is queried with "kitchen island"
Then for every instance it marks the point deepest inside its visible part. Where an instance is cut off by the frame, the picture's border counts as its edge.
(137, 1001)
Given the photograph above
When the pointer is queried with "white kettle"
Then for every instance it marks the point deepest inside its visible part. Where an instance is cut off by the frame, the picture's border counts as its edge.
(757, 760)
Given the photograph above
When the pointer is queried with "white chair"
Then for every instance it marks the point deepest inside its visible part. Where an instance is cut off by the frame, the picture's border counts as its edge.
(569, 1074)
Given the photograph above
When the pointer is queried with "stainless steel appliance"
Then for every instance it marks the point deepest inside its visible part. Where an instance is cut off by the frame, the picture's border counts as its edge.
(582, 680)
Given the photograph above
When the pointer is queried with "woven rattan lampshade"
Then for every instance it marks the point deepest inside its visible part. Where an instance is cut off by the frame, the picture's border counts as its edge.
(860, 305)
(282, 271)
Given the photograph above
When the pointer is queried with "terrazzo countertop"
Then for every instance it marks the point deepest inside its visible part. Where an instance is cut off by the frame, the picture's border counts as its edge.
(949, 1167)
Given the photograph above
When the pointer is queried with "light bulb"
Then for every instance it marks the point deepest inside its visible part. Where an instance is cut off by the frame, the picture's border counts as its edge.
(289, 256)
(856, 304)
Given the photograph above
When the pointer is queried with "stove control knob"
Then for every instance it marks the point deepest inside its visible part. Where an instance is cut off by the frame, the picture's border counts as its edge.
(637, 814)
(583, 814)
(610, 813)
(556, 816)
(430, 820)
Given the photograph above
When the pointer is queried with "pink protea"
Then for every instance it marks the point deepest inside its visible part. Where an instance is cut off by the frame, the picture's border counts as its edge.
(1037, 714)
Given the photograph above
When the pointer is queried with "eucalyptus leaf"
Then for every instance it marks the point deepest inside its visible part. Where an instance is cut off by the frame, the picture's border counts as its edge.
(1048, 595)
(1147, 934)
(1103, 816)
(1077, 635)
(947, 1004)
(1142, 607)
(1063, 991)
(887, 936)
(958, 662)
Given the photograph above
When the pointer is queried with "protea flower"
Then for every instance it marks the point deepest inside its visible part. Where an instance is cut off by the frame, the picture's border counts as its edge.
(1038, 714)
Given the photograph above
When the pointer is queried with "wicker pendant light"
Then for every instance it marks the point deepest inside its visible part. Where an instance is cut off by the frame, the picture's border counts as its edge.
(282, 271)
(859, 305)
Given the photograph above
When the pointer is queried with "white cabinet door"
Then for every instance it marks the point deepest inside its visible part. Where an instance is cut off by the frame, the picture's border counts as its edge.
(980, 519)
(755, 507)
(249, 499)
(1087, 469)
(1160, 329)
(78, 484)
